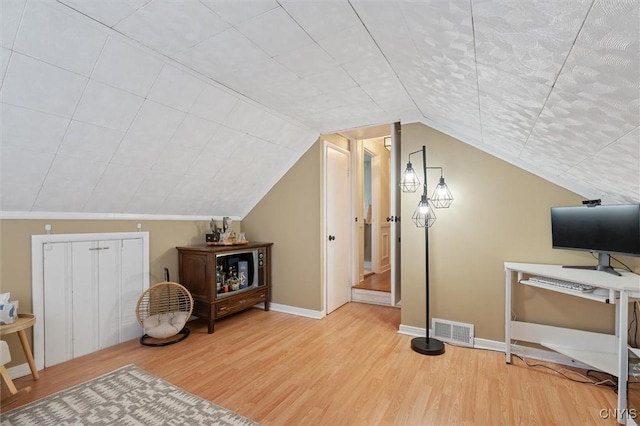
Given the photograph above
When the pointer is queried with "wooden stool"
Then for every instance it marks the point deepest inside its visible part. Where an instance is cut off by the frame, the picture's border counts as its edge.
(23, 322)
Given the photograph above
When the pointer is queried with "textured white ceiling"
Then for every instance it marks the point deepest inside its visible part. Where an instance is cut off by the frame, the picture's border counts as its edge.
(187, 107)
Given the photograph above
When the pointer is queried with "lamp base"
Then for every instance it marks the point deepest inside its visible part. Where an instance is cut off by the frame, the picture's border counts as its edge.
(427, 346)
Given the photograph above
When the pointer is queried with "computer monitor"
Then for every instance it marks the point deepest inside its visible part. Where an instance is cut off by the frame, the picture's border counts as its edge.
(605, 230)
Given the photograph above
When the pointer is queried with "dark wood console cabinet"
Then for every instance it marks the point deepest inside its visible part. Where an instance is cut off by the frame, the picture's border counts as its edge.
(197, 269)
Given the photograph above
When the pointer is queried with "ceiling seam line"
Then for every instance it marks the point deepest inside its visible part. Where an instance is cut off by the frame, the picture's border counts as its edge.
(475, 62)
(178, 65)
(384, 56)
(84, 90)
(4, 76)
(167, 60)
(555, 80)
(22, 12)
(600, 150)
(415, 48)
(126, 132)
(316, 42)
(84, 14)
(84, 204)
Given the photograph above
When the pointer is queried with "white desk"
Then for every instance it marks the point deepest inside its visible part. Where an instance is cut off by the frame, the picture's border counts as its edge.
(606, 352)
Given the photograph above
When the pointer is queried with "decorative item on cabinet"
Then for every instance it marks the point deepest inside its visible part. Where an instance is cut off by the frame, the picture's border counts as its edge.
(214, 234)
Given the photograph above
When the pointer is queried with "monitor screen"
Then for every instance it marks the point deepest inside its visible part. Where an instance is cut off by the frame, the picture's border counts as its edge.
(611, 229)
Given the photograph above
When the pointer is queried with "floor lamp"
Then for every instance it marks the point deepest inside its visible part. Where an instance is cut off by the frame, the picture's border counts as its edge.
(424, 217)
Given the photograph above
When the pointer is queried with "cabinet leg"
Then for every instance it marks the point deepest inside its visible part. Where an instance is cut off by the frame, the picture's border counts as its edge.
(266, 305)
(211, 321)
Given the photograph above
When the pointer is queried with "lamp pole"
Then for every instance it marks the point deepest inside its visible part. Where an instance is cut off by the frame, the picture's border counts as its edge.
(426, 345)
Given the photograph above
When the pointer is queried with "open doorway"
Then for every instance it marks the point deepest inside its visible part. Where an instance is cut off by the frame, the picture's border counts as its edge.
(374, 233)
(375, 153)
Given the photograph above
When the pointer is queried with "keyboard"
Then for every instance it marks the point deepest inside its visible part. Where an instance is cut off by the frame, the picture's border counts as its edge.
(569, 285)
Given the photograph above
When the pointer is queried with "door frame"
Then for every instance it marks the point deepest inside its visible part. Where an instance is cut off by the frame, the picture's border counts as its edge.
(394, 199)
(325, 146)
(356, 147)
(375, 200)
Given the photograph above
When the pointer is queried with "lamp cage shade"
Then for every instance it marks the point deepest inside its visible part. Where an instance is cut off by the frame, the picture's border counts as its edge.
(410, 181)
(442, 197)
(424, 216)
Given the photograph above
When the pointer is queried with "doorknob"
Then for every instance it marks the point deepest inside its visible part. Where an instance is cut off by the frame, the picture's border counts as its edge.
(332, 237)
(393, 219)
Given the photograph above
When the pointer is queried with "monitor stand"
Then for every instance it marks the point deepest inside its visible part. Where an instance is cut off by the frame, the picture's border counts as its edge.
(604, 265)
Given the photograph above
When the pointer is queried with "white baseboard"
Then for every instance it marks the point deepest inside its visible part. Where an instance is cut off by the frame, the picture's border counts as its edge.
(493, 345)
(412, 331)
(370, 296)
(19, 371)
(301, 312)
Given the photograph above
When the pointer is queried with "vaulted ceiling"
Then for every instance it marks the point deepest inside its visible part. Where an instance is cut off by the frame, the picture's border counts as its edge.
(187, 107)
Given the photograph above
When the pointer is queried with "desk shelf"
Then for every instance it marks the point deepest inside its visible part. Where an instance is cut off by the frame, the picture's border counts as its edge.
(585, 295)
(599, 360)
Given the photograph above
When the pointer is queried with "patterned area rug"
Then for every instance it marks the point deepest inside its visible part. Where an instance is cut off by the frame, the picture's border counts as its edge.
(127, 396)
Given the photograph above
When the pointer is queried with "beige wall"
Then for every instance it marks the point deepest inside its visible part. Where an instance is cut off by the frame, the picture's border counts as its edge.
(290, 216)
(15, 253)
(500, 213)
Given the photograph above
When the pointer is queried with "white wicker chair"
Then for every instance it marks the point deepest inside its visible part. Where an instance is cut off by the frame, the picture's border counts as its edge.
(163, 311)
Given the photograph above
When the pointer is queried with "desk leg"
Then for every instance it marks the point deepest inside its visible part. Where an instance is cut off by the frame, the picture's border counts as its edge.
(507, 315)
(623, 355)
(27, 351)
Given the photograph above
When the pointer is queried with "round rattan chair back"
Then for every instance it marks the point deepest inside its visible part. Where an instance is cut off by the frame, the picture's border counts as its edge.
(163, 311)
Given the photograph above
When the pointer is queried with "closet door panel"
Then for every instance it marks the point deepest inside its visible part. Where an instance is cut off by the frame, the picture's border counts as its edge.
(58, 321)
(131, 289)
(85, 297)
(108, 312)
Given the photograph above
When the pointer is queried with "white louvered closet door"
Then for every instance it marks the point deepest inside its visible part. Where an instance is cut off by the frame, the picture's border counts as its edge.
(131, 287)
(58, 333)
(85, 331)
(90, 293)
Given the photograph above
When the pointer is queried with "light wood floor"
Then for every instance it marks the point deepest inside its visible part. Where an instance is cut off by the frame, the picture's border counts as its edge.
(351, 368)
(377, 282)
